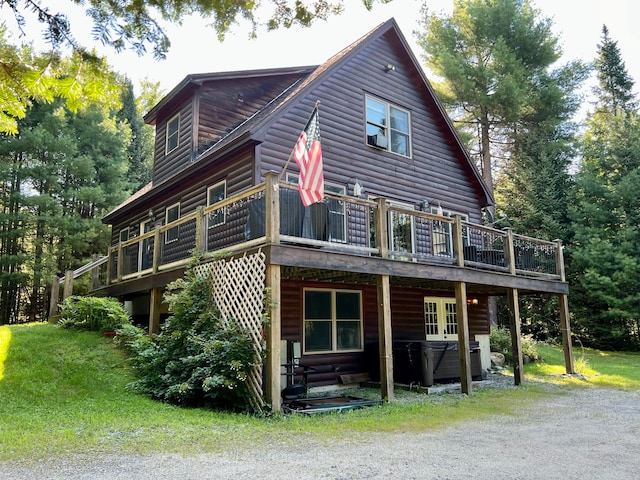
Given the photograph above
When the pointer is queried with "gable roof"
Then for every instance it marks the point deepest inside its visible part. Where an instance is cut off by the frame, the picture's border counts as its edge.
(254, 127)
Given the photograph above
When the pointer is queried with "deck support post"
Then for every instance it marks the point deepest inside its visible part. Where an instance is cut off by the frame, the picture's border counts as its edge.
(154, 310)
(565, 328)
(273, 337)
(516, 342)
(563, 303)
(385, 338)
(273, 284)
(462, 317)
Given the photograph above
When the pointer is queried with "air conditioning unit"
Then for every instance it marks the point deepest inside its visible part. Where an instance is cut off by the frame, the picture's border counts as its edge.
(378, 140)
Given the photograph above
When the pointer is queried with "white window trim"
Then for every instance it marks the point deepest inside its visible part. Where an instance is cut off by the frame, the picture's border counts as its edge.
(142, 244)
(123, 233)
(166, 222)
(333, 320)
(176, 133)
(441, 314)
(387, 127)
(210, 222)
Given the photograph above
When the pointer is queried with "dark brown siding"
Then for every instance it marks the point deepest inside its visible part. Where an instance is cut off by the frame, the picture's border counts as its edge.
(407, 313)
(436, 171)
(238, 174)
(165, 166)
(221, 110)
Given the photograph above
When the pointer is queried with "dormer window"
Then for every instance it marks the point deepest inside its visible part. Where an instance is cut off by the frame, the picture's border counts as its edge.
(173, 128)
(388, 127)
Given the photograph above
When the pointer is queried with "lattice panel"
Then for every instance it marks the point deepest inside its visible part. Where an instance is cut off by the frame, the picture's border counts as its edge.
(238, 286)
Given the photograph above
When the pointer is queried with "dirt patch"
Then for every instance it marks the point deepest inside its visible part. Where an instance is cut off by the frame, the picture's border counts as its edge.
(583, 433)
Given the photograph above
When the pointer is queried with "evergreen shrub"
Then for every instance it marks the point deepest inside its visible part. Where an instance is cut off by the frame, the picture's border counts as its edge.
(197, 359)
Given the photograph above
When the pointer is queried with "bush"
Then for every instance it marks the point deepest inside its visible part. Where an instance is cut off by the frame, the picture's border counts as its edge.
(196, 359)
(98, 314)
(500, 341)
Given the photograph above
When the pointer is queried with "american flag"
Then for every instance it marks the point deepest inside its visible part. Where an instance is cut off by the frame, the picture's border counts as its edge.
(308, 155)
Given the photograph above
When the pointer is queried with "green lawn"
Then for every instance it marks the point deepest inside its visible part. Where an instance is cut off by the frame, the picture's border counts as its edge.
(65, 392)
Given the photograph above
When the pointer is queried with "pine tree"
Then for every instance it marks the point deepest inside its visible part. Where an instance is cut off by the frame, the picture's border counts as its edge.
(605, 253)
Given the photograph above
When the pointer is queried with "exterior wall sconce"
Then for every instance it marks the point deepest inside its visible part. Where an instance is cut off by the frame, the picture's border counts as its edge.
(389, 68)
(440, 212)
(472, 301)
(424, 205)
(240, 97)
(357, 189)
(151, 215)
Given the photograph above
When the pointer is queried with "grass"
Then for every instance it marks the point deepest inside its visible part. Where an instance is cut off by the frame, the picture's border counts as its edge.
(64, 392)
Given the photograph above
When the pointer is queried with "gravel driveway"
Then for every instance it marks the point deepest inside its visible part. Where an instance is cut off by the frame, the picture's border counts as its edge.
(584, 434)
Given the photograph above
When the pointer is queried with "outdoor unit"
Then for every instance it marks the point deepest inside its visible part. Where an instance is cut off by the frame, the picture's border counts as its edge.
(378, 140)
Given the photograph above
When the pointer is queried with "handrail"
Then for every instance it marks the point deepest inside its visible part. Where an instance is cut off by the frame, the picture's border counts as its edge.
(495, 248)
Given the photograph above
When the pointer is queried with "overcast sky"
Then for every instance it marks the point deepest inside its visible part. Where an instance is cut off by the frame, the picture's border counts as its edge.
(195, 48)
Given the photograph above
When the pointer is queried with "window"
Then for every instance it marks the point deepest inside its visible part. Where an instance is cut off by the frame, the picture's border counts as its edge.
(442, 233)
(332, 320)
(440, 318)
(388, 127)
(173, 127)
(124, 235)
(337, 213)
(172, 214)
(215, 194)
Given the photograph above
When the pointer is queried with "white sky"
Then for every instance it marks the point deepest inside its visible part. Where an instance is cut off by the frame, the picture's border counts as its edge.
(195, 48)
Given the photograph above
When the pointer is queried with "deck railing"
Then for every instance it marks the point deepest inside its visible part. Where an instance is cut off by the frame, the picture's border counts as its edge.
(272, 213)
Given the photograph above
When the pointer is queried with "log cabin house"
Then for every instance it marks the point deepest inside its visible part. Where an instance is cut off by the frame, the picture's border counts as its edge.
(394, 260)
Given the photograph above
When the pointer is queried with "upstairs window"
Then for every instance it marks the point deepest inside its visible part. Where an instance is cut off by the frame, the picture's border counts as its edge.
(388, 127)
(173, 127)
(172, 214)
(216, 193)
(124, 235)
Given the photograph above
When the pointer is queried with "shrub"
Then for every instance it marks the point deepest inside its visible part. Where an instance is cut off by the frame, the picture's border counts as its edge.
(196, 359)
(500, 341)
(98, 314)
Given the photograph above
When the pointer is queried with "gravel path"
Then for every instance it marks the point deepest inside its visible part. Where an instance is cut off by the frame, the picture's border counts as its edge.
(584, 434)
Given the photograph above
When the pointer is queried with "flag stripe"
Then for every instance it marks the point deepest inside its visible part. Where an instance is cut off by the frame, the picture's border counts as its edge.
(308, 156)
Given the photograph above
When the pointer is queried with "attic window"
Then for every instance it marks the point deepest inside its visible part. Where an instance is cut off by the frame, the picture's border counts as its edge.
(173, 127)
(388, 127)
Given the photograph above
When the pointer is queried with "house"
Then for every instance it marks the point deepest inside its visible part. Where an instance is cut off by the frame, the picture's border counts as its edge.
(395, 258)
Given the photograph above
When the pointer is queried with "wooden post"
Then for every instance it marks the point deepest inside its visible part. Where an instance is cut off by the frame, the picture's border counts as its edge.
(509, 252)
(565, 322)
(55, 296)
(120, 264)
(272, 210)
(462, 318)
(516, 342)
(200, 231)
(385, 341)
(155, 304)
(68, 284)
(458, 246)
(157, 246)
(95, 274)
(381, 226)
(273, 337)
(565, 328)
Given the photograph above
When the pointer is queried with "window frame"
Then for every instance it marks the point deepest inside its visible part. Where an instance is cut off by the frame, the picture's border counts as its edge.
(386, 127)
(123, 235)
(172, 134)
(172, 234)
(212, 216)
(446, 323)
(334, 320)
(392, 236)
